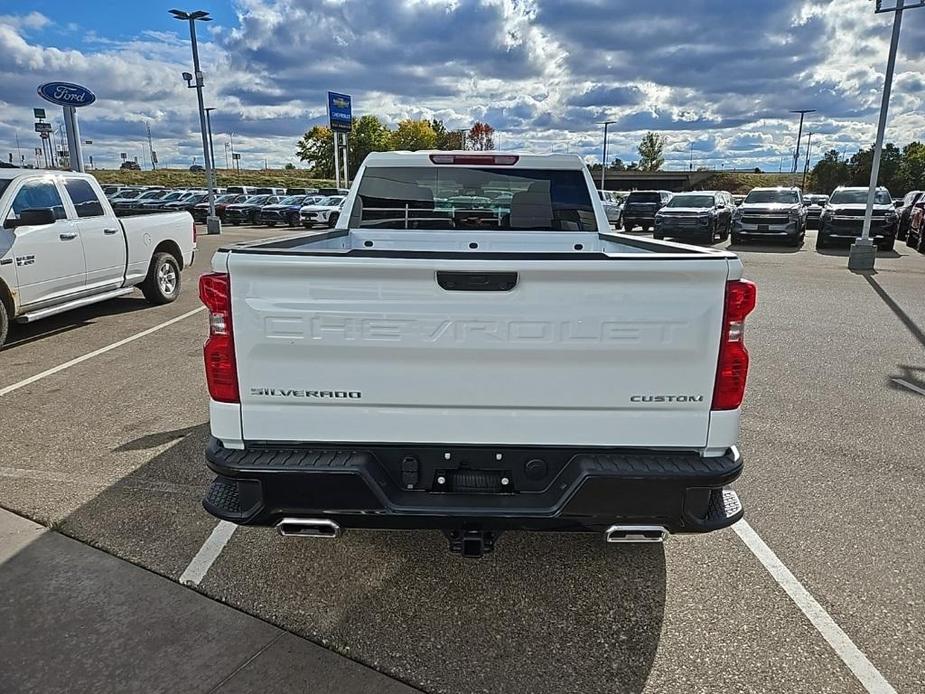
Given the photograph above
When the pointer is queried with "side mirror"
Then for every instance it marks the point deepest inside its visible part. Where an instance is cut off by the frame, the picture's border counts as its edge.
(33, 217)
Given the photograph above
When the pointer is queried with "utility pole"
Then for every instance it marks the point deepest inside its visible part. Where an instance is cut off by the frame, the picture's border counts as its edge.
(213, 223)
(796, 152)
(809, 144)
(151, 153)
(606, 124)
(863, 253)
(691, 165)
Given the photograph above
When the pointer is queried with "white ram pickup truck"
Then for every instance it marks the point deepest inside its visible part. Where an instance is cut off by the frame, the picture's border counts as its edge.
(471, 349)
(62, 247)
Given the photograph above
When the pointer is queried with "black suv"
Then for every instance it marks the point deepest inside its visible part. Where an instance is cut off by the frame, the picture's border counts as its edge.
(641, 206)
(843, 218)
(248, 210)
(905, 213)
(698, 217)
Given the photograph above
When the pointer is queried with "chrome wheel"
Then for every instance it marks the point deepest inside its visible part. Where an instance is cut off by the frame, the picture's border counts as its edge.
(167, 279)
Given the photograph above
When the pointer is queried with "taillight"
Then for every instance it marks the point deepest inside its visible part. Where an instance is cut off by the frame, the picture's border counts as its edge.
(475, 159)
(221, 370)
(732, 369)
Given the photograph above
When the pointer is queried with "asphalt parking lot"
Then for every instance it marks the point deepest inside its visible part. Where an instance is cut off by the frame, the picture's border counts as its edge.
(109, 451)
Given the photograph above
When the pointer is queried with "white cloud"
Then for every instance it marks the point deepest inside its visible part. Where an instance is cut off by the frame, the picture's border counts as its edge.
(543, 72)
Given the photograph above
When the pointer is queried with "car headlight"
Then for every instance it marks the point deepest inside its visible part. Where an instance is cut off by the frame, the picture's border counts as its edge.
(795, 213)
(737, 214)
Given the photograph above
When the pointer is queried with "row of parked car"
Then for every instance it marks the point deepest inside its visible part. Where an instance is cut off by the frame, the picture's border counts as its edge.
(781, 213)
(235, 204)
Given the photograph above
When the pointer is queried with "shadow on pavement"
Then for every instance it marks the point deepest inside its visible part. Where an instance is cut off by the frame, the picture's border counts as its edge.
(903, 317)
(543, 613)
(845, 251)
(527, 619)
(762, 248)
(24, 334)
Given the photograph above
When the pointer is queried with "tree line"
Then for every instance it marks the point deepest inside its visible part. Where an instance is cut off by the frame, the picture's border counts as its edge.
(901, 170)
(370, 134)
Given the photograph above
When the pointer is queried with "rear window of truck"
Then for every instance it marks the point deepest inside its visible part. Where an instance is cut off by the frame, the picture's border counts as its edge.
(460, 197)
(644, 197)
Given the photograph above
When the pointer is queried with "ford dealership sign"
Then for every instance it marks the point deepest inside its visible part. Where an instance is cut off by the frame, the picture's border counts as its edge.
(66, 94)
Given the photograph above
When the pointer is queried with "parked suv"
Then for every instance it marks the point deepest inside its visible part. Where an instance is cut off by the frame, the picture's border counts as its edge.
(248, 210)
(771, 213)
(814, 205)
(904, 212)
(640, 208)
(843, 218)
(916, 235)
(613, 206)
(698, 217)
(286, 211)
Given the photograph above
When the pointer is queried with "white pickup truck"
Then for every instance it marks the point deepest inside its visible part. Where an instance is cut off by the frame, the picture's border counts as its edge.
(475, 367)
(62, 247)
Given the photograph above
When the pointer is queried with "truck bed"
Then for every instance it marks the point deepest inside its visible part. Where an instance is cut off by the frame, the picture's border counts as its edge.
(457, 244)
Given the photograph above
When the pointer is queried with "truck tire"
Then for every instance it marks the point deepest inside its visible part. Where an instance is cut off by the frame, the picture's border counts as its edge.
(332, 220)
(628, 225)
(736, 239)
(4, 324)
(821, 241)
(294, 219)
(886, 245)
(162, 285)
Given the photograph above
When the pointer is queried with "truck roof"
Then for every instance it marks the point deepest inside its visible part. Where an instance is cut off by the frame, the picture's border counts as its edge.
(523, 160)
(16, 173)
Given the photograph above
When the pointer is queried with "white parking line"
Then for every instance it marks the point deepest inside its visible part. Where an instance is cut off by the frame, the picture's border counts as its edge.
(96, 353)
(844, 647)
(911, 386)
(208, 553)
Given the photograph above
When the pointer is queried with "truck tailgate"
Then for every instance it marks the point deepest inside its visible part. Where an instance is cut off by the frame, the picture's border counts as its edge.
(584, 352)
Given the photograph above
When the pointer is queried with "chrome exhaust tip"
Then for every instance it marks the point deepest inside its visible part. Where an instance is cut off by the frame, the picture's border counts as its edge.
(308, 527)
(636, 533)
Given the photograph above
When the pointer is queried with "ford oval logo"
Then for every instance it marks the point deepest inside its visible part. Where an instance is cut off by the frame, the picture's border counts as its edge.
(66, 94)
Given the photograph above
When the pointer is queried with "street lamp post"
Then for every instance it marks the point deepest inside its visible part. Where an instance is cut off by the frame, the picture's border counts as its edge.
(863, 253)
(809, 144)
(796, 152)
(211, 145)
(213, 223)
(606, 124)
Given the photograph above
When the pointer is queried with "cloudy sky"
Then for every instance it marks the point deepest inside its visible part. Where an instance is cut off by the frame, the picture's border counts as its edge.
(721, 74)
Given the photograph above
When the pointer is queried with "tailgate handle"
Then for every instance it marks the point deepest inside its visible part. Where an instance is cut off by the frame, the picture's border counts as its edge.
(477, 281)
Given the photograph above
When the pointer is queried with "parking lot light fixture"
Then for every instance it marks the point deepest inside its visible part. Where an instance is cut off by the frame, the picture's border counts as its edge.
(863, 253)
(213, 223)
(796, 152)
(606, 124)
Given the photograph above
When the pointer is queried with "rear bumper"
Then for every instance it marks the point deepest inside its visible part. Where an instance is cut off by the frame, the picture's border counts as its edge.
(416, 487)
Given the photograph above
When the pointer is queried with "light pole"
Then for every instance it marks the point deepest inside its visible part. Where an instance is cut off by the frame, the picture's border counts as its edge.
(863, 253)
(213, 223)
(606, 124)
(211, 145)
(809, 144)
(796, 152)
(691, 165)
